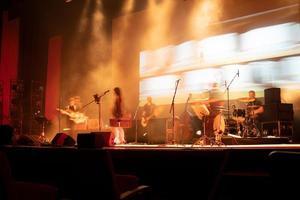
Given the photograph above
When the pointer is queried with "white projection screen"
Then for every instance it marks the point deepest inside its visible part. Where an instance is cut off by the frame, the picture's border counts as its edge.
(264, 56)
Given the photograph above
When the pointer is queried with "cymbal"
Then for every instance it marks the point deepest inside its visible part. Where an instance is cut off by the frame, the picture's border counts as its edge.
(199, 99)
(220, 108)
(246, 99)
(253, 106)
(204, 101)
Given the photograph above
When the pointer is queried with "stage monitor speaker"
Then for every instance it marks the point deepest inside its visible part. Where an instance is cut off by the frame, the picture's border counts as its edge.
(157, 135)
(272, 95)
(62, 139)
(278, 112)
(94, 139)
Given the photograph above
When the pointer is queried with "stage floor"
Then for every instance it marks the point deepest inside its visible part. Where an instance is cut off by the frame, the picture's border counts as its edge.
(228, 143)
(190, 146)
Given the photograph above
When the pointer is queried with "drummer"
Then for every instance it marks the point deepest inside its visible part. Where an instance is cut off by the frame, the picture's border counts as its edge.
(254, 107)
(254, 111)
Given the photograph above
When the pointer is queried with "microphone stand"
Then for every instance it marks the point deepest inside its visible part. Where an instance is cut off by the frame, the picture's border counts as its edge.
(172, 109)
(97, 100)
(135, 118)
(227, 91)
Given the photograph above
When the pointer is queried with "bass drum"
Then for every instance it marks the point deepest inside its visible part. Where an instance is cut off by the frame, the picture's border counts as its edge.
(215, 124)
(219, 124)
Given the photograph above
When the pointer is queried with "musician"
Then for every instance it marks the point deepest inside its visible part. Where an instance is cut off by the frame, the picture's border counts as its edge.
(216, 97)
(148, 114)
(216, 106)
(118, 112)
(197, 111)
(73, 106)
(255, 105)
(254, 111)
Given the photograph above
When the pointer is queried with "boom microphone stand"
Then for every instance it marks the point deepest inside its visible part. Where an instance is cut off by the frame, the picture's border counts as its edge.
(227, 91)
(97, 100)
(172, 109)
(136, 126)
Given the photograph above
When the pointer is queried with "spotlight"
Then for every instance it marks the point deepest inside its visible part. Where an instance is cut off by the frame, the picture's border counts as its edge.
(199, 132)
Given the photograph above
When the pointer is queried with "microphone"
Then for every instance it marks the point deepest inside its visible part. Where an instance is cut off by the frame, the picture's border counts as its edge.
(96, 98)
(238, 73)
(106, 91)
(178, 80)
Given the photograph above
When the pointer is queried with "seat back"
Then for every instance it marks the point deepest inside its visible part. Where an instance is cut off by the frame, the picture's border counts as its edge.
(77, 173)
(6, 181)
(284, 167)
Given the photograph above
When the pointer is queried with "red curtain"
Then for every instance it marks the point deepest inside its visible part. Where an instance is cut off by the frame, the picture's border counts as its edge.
(9, 59)
(52, 95)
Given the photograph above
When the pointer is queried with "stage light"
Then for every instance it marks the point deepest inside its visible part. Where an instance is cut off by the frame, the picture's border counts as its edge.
(199, 132)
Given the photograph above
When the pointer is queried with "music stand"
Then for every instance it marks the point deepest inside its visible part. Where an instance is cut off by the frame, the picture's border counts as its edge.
(42, 120)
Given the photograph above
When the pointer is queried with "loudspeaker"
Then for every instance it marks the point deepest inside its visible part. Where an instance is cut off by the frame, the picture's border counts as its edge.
(278, 112)
(157, 132)
(94, 139)
(272, 95)
(62, 139)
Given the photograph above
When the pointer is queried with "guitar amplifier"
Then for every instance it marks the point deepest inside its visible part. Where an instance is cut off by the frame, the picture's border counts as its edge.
(123, 122)
(272, 95)
(278, 112)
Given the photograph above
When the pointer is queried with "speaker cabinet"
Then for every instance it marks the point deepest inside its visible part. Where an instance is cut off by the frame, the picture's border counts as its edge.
(62, 139)
(278, 112)
(157, 131)
(94, 139)
(272, 95)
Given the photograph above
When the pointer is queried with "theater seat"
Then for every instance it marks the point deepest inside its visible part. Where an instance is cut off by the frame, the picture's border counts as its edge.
(126, 182)
(284, 168)
(16, 190)
(78, 173)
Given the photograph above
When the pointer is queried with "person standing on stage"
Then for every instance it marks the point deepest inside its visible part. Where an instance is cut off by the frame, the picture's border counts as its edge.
(148, 114)
(117, 112)
(216, 122)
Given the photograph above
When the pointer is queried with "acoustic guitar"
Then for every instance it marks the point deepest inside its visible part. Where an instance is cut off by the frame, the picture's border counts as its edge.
(76, 117)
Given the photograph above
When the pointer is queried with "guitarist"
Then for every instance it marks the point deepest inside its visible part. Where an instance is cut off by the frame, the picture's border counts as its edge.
(148, 114)
(73, 106)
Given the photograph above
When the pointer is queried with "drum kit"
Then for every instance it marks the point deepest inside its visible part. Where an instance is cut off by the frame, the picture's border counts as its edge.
(243, 121)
